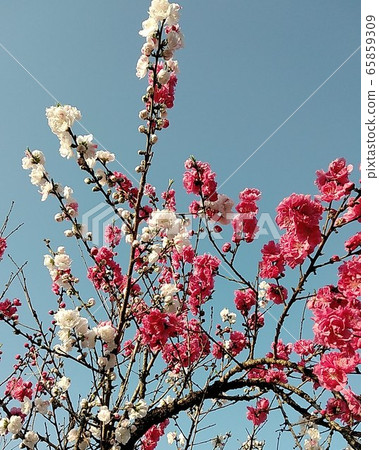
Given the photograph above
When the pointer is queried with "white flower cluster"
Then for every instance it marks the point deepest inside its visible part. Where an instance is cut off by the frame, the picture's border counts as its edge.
(262, 290)
(12, 425)
(30, 439)
(173, 437)
(161, 12)
(313, 443)
(69, 321)
(35, 162)
(174, 228)
(59, 267)
(168, 293)
(60, 119)
(227, 316)
(136, 410)
(41, 406)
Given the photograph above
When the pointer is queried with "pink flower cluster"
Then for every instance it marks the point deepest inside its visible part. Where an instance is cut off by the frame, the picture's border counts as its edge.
(106, 274)
(245, 300)
(300, 216)
(258, 415)
(201, 281)
(169, 198)
(194, 346)
(112, 235)
(272, 264)
(3, 246)
(151, 438)
(158, 327)
(199, 179)
(163, 93)
(334, 183)
(233, 346)
(245, 222)
(277, 294)
(333, 369)
(18, 389)
(336, 313)
(8, 309)
(347, 408)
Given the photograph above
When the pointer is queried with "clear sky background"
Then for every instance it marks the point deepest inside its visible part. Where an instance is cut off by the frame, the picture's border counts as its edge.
(268, 93)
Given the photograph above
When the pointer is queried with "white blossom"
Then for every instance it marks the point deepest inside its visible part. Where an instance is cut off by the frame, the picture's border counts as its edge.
(67, 318)
(107, 332)
(142, 65)
(227, 316)
(42, 406)
(37, 175)
(64, 383)
(60, 118)
(104, 415)
(149, 27)
(30, 439)
(46, 189)
(105, 156)
(3, 426)
(33, 158)
(15, 424)
(65, 149)
(62, 261)
(171, 436)
(73, 435)
(138, 410)
(122, 432)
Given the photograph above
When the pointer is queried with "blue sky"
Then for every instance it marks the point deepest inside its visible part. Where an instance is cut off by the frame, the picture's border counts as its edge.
(268, 93)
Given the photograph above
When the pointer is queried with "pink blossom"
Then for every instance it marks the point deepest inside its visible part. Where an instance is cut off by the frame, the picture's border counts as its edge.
(18, 389)
(194, 346)
(236, 343)
(199, 178)
(8, 309)
(353, 402)
(333, 368)
(299, 212)
(256, 321)
(169, 198)
(158, 327)
(337, 328)
(275, 376)
(226, 247)
(328, 296)
(353, 211)
(245, 300)
(272, 264)
(282, 351)
(3, 246)
(353, 243)
(304, 347)
(334, 183)
(278, 294)
(337, 408)
(349, 273)
(248, 198)
(245, 227)
(201, 281)
(258, 415)
(151, 437)
(112, 235)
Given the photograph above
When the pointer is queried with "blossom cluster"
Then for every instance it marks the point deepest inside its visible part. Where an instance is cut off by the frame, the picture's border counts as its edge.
(163, 37)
